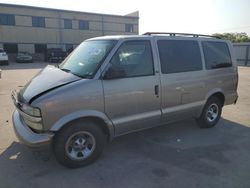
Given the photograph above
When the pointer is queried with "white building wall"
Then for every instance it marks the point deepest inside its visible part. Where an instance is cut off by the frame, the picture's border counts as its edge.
(25, 36)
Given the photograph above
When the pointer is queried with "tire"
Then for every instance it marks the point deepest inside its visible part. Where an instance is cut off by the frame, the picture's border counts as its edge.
(211, 113)
(79, 144)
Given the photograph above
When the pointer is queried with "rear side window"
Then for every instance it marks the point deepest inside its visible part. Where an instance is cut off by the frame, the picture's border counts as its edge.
(179, 56)
(216, 55)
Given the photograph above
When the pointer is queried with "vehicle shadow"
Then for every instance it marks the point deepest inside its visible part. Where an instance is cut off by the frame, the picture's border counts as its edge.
(154, 153)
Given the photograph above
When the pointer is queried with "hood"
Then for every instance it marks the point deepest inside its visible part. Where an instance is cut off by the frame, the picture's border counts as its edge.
(47, 79)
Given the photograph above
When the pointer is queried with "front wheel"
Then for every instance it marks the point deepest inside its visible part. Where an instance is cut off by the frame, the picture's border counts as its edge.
(211, 113)
(79, 144)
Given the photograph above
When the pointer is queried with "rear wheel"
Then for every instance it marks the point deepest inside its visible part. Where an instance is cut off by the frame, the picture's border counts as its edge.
(79, 144)
(211, 113)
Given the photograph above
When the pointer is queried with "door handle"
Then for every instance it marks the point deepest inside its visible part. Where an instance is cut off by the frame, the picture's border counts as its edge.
(157, 90)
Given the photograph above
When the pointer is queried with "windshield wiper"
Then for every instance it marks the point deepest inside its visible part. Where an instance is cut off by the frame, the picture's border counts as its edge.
(65, 70)
(86, 76)
(81, 76)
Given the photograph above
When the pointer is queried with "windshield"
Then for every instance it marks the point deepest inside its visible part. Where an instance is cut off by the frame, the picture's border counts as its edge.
(87, 57)
(23, 53)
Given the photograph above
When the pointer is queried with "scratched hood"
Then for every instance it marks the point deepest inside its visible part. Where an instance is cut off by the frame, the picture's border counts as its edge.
(47, 79)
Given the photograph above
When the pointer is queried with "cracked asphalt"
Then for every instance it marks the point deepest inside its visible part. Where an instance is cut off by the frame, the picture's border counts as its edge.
(175, 155)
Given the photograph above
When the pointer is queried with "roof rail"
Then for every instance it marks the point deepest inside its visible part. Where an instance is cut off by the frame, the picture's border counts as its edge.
(180, 34)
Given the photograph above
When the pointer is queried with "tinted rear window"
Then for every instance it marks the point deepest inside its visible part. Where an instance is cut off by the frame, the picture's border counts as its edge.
(216, 54)
(179, 56)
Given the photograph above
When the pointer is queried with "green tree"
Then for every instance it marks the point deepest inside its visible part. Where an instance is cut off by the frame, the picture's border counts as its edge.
(233, 37)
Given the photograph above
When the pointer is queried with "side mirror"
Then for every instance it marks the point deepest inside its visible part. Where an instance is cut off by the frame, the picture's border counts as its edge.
(113, 73)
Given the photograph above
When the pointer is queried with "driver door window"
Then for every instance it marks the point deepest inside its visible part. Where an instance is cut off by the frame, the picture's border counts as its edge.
(134, 58)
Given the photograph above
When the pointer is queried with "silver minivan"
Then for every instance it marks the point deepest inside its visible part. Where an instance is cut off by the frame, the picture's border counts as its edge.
(110, 86)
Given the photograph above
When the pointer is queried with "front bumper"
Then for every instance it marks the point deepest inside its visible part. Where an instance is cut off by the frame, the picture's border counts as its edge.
(4, 58)
(23, 60)
(29, 138)
(4, 62)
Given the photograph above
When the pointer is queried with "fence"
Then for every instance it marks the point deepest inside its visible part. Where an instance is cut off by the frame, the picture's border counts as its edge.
(242, 53)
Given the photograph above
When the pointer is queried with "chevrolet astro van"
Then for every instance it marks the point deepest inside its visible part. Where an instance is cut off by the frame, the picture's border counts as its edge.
(113, 85)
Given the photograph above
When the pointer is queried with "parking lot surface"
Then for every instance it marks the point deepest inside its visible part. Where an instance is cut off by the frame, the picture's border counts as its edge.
(175, 155)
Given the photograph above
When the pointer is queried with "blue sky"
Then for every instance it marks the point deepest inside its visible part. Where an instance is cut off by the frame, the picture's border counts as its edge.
(196, 16)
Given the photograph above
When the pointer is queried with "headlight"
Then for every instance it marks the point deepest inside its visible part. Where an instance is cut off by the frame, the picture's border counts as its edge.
(33, 125)
(31, 110)
(32, 117)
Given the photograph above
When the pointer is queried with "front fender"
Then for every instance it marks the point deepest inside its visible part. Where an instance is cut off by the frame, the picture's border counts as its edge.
(82, 114)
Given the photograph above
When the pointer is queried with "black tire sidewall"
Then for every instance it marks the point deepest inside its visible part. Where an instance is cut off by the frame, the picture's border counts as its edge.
(62, 137)
(203, 122)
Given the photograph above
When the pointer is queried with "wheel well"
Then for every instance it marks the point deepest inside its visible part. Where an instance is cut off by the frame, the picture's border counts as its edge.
(99, 122)
(220, 96)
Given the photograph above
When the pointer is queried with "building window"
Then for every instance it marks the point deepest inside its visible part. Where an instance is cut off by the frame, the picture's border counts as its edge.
(83, 25)
(38, 21)
(10, 48)
(7, 19)
(129, 28)
(69, 48)
(40, 48)
(67, 24)
(179, 56)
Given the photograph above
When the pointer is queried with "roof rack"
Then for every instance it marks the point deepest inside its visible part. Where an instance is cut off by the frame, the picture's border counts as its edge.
(180, 34)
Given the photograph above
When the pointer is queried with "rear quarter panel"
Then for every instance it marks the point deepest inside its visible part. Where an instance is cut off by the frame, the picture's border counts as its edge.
(224, 80)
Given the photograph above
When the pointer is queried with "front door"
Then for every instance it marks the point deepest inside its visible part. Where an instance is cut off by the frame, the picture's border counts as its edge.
(131, 95)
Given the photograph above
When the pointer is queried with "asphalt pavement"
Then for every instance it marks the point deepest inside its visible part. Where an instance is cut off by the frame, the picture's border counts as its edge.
(176, 155)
